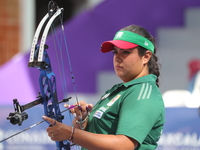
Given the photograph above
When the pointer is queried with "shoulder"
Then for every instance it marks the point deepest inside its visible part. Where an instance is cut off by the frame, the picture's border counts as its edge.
(143, 88)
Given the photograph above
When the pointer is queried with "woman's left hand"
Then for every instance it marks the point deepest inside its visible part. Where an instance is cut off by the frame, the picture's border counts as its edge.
(57, 131)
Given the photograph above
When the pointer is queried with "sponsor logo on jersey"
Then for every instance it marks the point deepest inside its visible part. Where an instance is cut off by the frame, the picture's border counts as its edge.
(105, 96)
(98, 114)
(113, 100)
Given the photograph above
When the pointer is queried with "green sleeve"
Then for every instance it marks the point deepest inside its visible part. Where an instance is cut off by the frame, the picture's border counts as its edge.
(137, 117)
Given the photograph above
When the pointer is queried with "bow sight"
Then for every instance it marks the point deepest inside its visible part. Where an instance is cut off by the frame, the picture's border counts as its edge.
(17, 118)
(19, 115)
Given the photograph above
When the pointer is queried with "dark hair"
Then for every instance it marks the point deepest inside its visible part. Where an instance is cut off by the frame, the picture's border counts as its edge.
(153, 62)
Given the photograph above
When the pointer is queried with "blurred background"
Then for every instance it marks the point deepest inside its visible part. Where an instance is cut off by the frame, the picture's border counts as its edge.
(88, 23)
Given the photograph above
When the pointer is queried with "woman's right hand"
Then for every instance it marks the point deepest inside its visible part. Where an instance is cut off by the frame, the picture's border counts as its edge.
(80, 110)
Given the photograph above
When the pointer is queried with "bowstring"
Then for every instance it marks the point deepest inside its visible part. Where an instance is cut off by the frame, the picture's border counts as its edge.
(60, 64)
(70, 65)
(62, 71)
(69, 61)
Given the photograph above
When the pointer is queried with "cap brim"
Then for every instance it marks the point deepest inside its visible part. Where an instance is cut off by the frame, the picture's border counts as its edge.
(108, 45)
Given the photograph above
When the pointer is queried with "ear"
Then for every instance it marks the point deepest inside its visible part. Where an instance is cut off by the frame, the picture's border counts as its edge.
(147, 57)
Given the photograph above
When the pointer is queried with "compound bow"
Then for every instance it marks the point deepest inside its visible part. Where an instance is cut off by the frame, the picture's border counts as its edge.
(48, 95)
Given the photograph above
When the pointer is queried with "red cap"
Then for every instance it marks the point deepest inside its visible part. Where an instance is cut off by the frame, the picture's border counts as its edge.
(108, 45)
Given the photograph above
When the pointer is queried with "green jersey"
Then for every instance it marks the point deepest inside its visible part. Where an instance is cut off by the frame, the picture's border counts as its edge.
(134, 109)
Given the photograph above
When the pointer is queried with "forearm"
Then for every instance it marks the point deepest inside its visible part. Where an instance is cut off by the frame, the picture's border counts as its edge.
(94, 141)
(91, 141)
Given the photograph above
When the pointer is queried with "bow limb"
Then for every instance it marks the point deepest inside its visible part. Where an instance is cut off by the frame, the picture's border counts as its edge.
(45, 33)
(36, 36)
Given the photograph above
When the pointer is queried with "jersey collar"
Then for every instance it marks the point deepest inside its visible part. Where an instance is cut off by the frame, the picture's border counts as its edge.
(147, 78)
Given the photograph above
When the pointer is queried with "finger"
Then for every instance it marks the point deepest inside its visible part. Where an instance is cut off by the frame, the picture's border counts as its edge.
(51, 125)
(71, 108)
(52, 136)
(79, 107)
(49, 120)
(78, 114)
(89, 107)
(66, 105)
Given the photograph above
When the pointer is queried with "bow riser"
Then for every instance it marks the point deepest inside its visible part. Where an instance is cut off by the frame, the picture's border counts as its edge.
(50, 101)
(48, 90)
